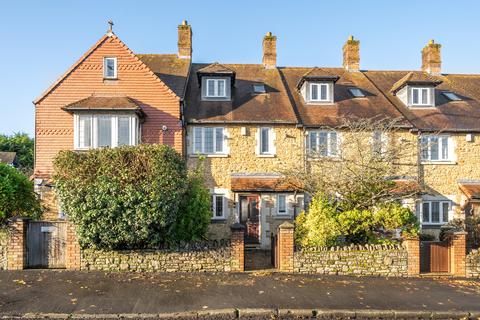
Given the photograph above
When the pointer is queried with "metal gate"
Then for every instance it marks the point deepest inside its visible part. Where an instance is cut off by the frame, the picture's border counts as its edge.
(46, 244)
(434, 256)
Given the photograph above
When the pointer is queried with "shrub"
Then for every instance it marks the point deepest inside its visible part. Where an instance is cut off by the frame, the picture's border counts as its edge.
(356, 225)
(127, 197)
(319, 226)
(17, 197)
(392, 216)
(194, 218)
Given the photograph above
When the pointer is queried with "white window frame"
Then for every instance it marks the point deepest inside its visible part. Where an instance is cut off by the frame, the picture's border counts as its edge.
(202, 147)
(282, 213)
(134, 129)
(115, 68)
(271, 142)
(441, 139)
(383, 142)
(214, 206)
(216, 94)
(420, 96)
(441, 203)
(329, 153)
(319, 85)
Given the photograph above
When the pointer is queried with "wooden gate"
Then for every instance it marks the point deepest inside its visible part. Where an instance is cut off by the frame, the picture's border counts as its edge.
(46, 244)
(274, 249)
(434, 256)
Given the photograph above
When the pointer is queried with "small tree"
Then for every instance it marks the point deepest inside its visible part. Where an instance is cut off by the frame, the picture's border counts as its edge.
(23, 145)
(127, 197)
(17, 197)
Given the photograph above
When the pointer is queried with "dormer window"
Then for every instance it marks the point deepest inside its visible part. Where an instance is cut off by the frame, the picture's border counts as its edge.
(110, 68)
(319, 92)
(216, 88)
(421, 96)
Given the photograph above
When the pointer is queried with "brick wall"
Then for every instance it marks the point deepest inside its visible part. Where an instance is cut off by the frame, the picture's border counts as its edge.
(205, 258)
(16, 249)
(378, 260)
(473, 264)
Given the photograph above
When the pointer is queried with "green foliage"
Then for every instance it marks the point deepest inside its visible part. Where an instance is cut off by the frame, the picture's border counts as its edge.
(127, 197)
(23, 145)
(192, 223)
(328, 223)
(319, 227)
(17, 197)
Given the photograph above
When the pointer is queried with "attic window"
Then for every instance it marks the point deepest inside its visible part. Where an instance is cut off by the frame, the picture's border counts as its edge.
(110, 68)
(216, 88)
(421, 96)
(319, 92)
(356, 92)
(451, 96)
(259, 88)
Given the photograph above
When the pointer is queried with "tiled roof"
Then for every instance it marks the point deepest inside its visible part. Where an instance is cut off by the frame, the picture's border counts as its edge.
(103, 103)
(374, 105)
(246, 106)
(7, 157)
(172, 70)
(317, 74)
(259, 183)
(470, 188)
(418, 78)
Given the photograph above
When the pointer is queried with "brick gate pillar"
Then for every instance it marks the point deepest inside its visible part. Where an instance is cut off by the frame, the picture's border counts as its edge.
(412, 245)
(16, 247)
(458, 253)
(238, 247)
(285, 246)
(73, 253)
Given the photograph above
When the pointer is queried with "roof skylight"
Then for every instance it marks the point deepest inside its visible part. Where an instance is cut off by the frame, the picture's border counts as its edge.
(356, 92)
(259, 88)
(451, 96)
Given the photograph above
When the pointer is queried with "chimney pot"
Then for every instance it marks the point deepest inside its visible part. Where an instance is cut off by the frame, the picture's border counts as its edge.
(431, 58)
(269, 45)
(351, 54)
(184, 40)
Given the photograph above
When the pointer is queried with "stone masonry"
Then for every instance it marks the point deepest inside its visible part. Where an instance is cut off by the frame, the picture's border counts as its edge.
(473, 264)
(369, 260)
(4, 237)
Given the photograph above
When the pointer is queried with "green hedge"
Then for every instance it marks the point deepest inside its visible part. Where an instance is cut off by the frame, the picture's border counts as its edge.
(127, 197)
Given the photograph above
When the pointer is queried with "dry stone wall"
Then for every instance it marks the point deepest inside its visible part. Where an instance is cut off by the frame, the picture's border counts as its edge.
(3, 248)
(210, 258)
(369, 260)
(473, 264)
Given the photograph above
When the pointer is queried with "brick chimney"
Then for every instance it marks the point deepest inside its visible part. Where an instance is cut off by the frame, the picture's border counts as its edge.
(269, 58)
(431, 58)
(351, 54)
(184, 40)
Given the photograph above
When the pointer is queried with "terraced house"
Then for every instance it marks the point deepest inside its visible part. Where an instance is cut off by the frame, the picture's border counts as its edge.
(251, 122)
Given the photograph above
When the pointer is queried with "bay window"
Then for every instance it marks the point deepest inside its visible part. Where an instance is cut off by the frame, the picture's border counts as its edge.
(105, 130)
(435, 212)
(209, 140)
(322, 144)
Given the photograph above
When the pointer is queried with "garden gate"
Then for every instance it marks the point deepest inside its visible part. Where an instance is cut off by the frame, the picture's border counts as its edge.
(46, 244)
(434, 256)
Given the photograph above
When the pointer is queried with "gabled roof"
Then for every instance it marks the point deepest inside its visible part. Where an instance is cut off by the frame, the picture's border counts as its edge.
(246, 106)
(317, 74)
(415, 78)
(8, 157)
(215, 68)
(85, 56)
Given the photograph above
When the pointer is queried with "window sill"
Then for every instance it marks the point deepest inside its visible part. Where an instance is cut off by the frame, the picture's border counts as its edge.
(323, 159)
(433, 225)
(110, 79)
(283, 217)
(209, 155)
(218, 220)
(266, 155)
(320, 103)
(438, 162)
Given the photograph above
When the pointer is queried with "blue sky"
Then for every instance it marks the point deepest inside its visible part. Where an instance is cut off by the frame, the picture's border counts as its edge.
(41, 39)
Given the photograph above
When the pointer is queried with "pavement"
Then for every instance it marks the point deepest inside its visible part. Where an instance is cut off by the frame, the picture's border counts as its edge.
(35, 293)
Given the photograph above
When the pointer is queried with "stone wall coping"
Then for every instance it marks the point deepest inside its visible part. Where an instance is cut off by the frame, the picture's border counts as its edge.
(194, 247)
(286, 225)
(19, 218)
(367, 247)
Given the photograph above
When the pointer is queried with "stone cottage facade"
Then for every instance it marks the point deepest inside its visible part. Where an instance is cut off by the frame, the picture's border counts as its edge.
(252, 122)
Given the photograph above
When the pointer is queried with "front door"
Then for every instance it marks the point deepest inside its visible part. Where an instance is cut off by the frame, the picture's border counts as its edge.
(250, 217)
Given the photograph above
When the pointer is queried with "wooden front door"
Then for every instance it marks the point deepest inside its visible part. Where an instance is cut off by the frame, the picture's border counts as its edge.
(250, 217)
(46, 244)
(434, 257)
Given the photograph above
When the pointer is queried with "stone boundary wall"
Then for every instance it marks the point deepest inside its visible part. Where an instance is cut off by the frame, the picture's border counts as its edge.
(202, 258)
(473, 264)
(368, 260)
(4, 238)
